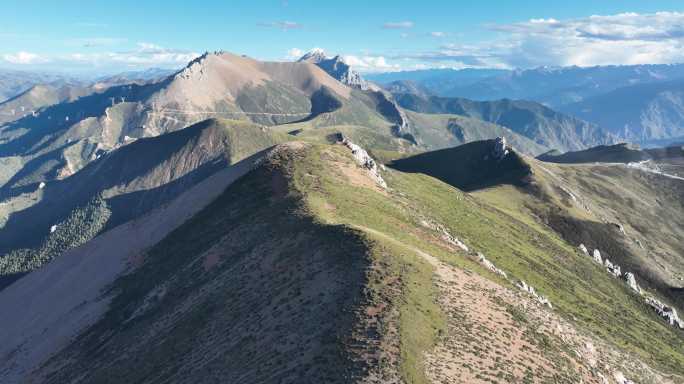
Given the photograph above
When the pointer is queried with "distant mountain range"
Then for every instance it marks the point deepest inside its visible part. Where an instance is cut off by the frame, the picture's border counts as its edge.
(12, 83)
(645, 113)
(538, 123)
(549, 85)
(142, 76)
(618, 153)
(438, 81)
(241, 221)
(638, 103)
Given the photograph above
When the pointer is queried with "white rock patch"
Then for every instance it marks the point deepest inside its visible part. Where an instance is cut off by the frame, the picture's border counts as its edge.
(363, 159)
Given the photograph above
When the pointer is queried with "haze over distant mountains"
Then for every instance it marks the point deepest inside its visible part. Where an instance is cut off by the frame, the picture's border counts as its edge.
(596, 94)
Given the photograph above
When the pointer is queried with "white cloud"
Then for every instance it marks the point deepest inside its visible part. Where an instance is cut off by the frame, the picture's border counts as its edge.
(626, 38)
(24, 58)
(398, 25)
(147, 54)
(143, 46)
(284, 25)
(621, 39)
(437, 34)
(370, 63)
(294, 54)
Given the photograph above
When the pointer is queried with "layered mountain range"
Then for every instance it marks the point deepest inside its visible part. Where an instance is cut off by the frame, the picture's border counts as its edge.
(266, 222)
(636, 103)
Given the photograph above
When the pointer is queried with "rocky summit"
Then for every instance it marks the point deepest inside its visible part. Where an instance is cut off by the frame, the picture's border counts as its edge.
(335, 67)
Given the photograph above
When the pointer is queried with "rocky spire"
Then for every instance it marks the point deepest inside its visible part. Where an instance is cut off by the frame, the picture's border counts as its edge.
(335, 67)
(500, 150)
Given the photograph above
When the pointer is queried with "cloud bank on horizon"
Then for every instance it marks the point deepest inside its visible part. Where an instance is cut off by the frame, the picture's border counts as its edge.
(621, 39)
(618, 39)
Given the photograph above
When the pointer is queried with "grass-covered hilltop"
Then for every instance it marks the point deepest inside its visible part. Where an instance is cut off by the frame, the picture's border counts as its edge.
(254, 222)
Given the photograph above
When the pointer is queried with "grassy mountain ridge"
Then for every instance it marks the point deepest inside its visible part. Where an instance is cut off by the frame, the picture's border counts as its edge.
(631, 214)
(620, 153)
(438, 131)
(309, 237)
(157, 242)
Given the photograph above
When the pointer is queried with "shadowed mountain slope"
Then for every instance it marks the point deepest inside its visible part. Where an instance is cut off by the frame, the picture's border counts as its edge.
(468, 167)
(38, 97)
(309, 269)
(124, 184)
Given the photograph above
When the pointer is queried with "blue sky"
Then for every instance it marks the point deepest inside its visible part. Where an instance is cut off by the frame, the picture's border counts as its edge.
(112, 36)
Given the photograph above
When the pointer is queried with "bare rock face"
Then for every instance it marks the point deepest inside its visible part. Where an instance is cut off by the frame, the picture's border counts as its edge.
(363, 159)
(314, 56)
(390, 110)
(666, 312)
(499, 151)
(335, 67)
(613, 269)
(621, 379)
(446, 236)
(530, 289)
(489, 265)
(631, 282)
(584, 249)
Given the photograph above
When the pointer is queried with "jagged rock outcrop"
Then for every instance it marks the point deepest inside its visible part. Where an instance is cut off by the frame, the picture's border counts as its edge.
(631, 282)
(584, 249)
(620, 228)
(446, 236)
(613, 269)
(530, 289)
(363, 159)
(621, 379)
(387, 106)
(314, 56)
(499, 151)
(335, 67)
(668, 313)
(489, 265)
